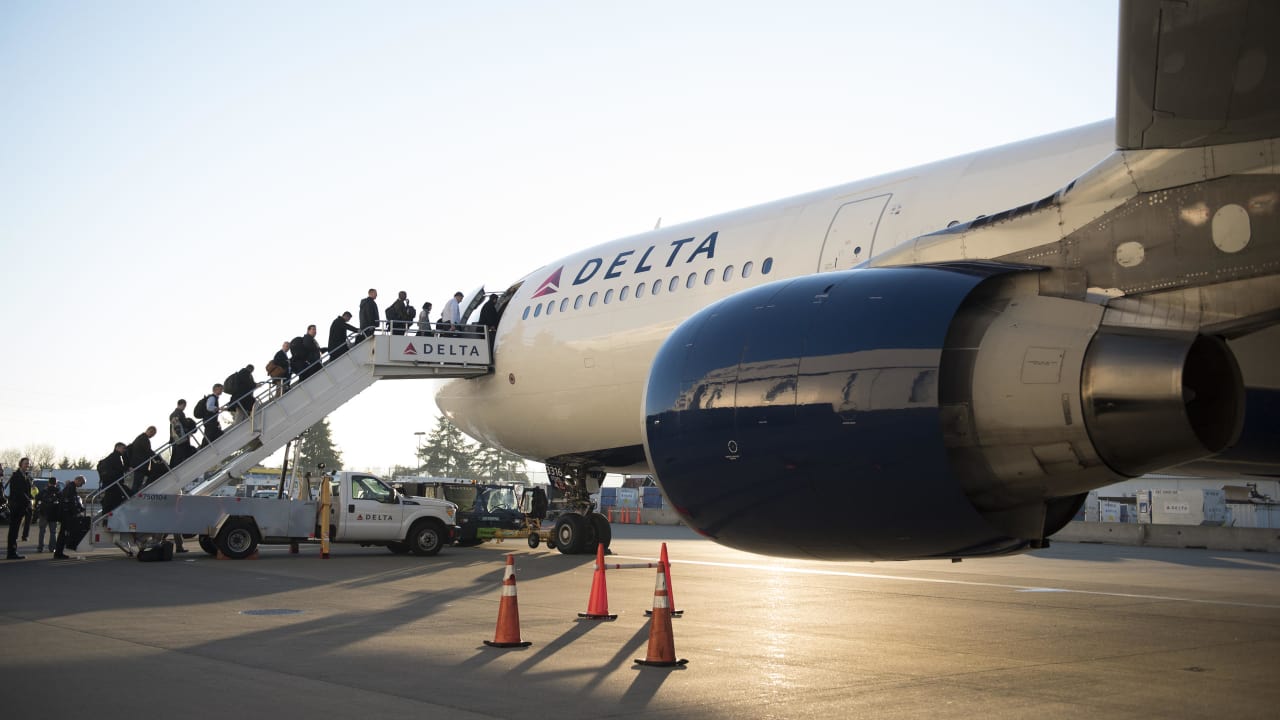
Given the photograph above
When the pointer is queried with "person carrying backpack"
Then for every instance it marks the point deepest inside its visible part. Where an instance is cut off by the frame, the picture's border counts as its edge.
(211, 408)
(47, 510)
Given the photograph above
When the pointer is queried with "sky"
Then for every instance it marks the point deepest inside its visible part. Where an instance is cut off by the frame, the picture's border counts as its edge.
(185, 185)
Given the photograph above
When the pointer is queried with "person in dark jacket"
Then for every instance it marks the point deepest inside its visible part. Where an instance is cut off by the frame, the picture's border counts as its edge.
(110, 469)
(400, 314)
(182, 447)
(240, 385)
(338, 330)
(175, 420)
(19, 504)
(369, 313)
(279, 369)
(310, 355)
(212, 425)
(489, 314)
(47, 509)
(71, 509)
(140, 454)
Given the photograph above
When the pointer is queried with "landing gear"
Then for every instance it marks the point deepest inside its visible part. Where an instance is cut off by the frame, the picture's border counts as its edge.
(579, 528)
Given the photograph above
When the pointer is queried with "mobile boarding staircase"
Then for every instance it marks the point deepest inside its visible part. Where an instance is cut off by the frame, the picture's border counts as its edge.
(277, 418)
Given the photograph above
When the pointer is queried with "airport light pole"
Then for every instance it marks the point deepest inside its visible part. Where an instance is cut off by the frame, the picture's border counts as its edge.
(418, 458)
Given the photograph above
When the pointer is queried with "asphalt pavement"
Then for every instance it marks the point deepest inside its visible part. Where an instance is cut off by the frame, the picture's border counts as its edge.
(1072, 631)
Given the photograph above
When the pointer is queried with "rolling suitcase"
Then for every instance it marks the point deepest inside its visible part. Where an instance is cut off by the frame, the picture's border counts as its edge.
(77, 528)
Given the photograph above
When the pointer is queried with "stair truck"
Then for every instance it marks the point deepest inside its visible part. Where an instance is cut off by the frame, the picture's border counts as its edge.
(364, 510)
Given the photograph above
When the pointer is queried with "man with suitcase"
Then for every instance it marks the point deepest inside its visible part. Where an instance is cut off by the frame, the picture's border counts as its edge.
(74, 522)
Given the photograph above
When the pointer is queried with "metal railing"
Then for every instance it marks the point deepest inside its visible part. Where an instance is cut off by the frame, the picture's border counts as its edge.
(263, 393)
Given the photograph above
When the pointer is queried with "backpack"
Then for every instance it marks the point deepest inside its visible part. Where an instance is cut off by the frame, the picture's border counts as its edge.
(202, 410)
(231, 386)
(295, 347)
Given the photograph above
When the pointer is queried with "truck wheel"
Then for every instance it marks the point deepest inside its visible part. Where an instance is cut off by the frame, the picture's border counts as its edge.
(399, 548)
(570, 533)
(206, 544)
(604, 531)
(426, 537)
(238, 539)
(533, 540)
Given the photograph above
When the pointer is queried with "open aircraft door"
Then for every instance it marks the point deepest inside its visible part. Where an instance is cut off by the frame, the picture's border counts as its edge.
(471, 303)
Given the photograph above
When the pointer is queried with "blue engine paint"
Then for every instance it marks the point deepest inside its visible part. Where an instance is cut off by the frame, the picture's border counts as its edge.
(801, 418)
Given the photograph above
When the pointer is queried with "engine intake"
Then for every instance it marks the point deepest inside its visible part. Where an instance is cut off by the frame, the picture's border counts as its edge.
(897, 413)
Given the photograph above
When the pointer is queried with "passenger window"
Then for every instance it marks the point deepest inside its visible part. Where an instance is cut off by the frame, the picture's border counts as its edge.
(693, 277)
(608, 296)
(746, 269)
(564, 304)
(675, 283)
(657, 287)
(551, 305)
(728, 274)
(525, 315)
(577, 302)
(537, 310)
(766, 266)
(594, 297)
(624, 293)
(711, 275)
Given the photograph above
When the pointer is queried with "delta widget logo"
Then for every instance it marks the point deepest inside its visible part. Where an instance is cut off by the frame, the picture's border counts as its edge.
(551, 285)
(409, 350)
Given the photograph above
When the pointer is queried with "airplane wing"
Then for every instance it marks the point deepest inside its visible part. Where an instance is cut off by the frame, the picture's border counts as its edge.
(1191, 75)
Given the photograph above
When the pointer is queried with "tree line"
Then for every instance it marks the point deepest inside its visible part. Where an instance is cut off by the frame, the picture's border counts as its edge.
(449, 453)
(43, 457)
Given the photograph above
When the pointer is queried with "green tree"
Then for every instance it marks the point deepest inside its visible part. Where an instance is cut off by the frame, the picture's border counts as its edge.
(318, 447)
(497, 465)
(83, 463)
(448, 453)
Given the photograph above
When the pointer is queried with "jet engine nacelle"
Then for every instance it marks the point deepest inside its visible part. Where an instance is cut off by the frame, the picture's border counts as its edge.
(936, 411)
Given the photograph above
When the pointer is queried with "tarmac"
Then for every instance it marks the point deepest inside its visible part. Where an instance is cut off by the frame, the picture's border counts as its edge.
(1076, 630)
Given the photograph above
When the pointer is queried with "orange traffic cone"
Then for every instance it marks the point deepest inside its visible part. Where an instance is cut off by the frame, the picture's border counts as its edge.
(671, 593)
(507, 634)
(662, 646)
(598, 601)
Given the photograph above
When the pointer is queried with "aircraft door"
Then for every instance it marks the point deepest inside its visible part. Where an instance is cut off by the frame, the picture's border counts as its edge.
(852, 233)
(471, 303)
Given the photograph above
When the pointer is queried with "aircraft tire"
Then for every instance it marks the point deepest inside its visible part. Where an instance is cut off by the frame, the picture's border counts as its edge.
(571, 533)
(603, 531)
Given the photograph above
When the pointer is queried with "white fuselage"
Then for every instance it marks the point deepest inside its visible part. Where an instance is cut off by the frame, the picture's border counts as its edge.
(572, 356)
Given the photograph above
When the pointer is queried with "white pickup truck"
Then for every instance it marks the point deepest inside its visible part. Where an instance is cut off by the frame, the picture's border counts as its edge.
(364, 510)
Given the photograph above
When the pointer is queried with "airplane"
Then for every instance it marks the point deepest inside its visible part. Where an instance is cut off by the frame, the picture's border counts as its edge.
(939, 362)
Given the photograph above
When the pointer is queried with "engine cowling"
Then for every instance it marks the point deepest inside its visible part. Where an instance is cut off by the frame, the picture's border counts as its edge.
(899, 413)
